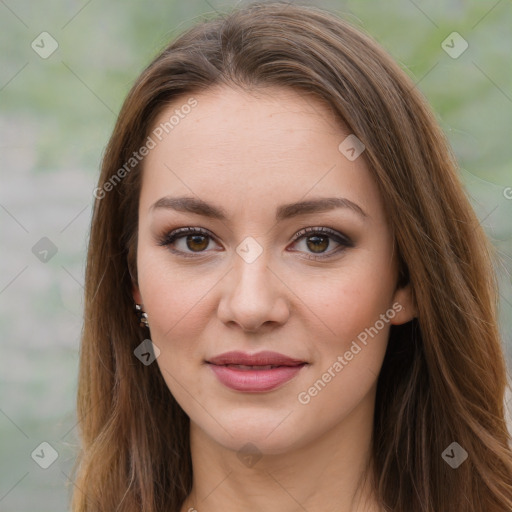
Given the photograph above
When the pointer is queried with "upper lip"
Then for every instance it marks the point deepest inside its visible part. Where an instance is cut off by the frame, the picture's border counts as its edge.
(259, 359)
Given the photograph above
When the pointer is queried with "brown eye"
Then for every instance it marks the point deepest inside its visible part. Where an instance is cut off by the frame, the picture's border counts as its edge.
(187, 241)
(197, 242)
(317, 243)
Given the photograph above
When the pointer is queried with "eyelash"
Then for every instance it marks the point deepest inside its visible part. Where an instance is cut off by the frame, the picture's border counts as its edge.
(344, 241)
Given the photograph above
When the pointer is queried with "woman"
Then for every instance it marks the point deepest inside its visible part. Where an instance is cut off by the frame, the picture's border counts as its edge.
(316, 324)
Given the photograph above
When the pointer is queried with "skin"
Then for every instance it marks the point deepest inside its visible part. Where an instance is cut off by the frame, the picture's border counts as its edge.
(249, 153)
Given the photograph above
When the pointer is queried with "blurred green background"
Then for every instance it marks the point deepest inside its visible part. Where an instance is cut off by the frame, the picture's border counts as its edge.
(56, 115)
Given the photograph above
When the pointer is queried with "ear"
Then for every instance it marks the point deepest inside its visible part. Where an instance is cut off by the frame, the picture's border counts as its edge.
(137, 297)
(403, 305)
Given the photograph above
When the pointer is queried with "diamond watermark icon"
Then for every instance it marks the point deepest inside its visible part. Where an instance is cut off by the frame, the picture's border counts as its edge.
(147, 352)
(44, 250)
(249, 455)
(351, 147)
(44, 45)
(249, 250)
(454, 455)
(44, 455)
(454, 45)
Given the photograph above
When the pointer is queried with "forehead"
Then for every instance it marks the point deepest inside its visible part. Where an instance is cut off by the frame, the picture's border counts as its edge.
(234, 121)
(252, 147)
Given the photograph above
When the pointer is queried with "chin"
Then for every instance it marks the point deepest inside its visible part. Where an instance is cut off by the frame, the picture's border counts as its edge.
(269, 434)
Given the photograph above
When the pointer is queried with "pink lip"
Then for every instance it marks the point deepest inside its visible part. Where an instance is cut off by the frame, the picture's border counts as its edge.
(254, 380)
(259, 359)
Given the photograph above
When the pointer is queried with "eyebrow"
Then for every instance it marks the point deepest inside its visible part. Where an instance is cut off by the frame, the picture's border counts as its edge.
(283, 212)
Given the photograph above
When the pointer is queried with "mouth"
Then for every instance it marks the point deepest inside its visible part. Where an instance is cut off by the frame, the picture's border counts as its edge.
(261, 360)
(255, 373)
(255, 378)
(244, 367)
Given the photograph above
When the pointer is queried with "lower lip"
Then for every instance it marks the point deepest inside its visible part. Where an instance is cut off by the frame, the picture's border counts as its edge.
(255, 380)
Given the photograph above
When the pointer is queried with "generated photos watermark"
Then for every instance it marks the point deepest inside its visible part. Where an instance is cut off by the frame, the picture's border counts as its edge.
(157, 135)
(355, 348)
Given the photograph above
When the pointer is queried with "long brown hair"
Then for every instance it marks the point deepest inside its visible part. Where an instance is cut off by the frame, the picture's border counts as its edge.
(444, 376)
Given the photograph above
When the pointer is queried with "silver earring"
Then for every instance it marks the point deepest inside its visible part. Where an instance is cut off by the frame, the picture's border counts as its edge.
(143, 316)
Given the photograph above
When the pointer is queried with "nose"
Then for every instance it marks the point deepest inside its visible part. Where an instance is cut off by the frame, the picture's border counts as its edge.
(253, 296)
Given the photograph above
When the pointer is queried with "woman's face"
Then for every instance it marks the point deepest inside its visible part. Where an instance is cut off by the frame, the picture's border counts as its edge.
(268, 263)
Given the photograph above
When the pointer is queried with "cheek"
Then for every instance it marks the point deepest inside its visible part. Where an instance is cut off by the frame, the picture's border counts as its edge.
(173, 297)
(349, 356)
(348, 302)
(349, 347)
(179, 306)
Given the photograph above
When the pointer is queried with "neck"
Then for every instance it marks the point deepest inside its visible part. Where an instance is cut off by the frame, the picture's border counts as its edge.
(330, 473)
